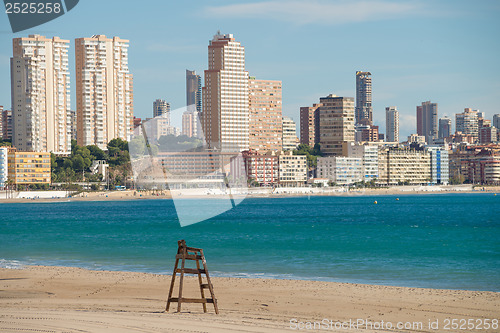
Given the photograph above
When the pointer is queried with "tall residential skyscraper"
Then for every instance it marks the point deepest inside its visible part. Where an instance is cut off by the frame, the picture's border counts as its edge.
(289, 134)
(104, 90)
(467, 122)
(40, 94)
(225, 95)
(161, 109)
(364, 108)
(191, 125)
(193, 89)
(496, 121)
(265, 125)
(392, 124)
(336, 123)
(427, 121)
(309, 125)
(444, 127)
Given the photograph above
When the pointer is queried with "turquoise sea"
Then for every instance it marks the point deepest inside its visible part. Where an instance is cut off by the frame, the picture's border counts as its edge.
(447, 241)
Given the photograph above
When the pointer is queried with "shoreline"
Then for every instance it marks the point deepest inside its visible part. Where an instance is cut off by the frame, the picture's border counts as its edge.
(74, 299)
(13, 264)
(129, 194)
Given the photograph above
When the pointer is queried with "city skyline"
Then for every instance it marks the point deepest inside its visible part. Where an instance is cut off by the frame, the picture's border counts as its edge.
(451, 75)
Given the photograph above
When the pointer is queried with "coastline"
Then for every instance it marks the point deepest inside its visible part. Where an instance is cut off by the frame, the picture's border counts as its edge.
(74, 299)
(259, 193)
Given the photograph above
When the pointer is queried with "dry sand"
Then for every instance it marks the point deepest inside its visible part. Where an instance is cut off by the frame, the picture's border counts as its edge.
(61, 299)
(140, 195)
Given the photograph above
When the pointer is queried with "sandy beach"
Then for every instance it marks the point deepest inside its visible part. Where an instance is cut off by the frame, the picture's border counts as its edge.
(46, 196)
(61, 299)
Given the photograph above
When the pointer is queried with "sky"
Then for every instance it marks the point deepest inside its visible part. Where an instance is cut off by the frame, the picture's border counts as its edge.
(447, 52)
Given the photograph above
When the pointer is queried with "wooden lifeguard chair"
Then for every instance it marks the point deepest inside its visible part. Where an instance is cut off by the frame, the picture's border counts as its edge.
(191, 253)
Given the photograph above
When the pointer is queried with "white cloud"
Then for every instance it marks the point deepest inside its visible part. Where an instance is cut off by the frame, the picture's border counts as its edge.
(316, 11)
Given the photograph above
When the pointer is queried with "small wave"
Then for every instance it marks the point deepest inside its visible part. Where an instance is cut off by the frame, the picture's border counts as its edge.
(11, 264)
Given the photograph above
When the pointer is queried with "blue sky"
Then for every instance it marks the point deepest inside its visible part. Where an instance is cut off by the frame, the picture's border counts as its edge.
(444, 51)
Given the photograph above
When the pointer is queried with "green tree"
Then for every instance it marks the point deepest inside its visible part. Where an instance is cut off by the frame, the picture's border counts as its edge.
(78, 163)
(68, 163)
(316, 151)
(311, 153)
(119, 144)
(96, 152)
(53, 162)
(457, 180)
(73, 145)
(6, 143)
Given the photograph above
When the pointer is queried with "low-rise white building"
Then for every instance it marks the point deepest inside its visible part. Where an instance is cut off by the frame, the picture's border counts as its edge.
(416, 138)
(4, 171)
(369, 156)
(403, 165)
(100, 167)
(292, 169)
(341, 170)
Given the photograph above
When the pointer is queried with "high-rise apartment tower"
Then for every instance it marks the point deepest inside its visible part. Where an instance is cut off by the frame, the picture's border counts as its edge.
(427, 121)
(467, 122)
(104, 90)
(364, 108)
(161, 109)
(392, 124)
(444, 127)
(193, 89)
(265, 117)
(336, 123)
(40, 88)
(309, 124)
(225, 95)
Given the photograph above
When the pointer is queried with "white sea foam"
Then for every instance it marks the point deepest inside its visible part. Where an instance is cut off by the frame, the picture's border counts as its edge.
(11, 264)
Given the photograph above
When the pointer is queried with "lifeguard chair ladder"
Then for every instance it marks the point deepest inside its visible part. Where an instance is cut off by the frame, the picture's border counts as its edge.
(191, 253)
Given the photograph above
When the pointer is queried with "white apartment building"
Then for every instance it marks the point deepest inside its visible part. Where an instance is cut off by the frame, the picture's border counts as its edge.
(341, 170)
(41, 95)
(467, 122)
(492, 170)
(225, 95)
(104, 90)
(398, 165)
(369, 156)
(158, 127)
(191, 125)
(4, 171)
(415, 138)
(292, 169)
(440, 169)
(392, 124)
(289, 134)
